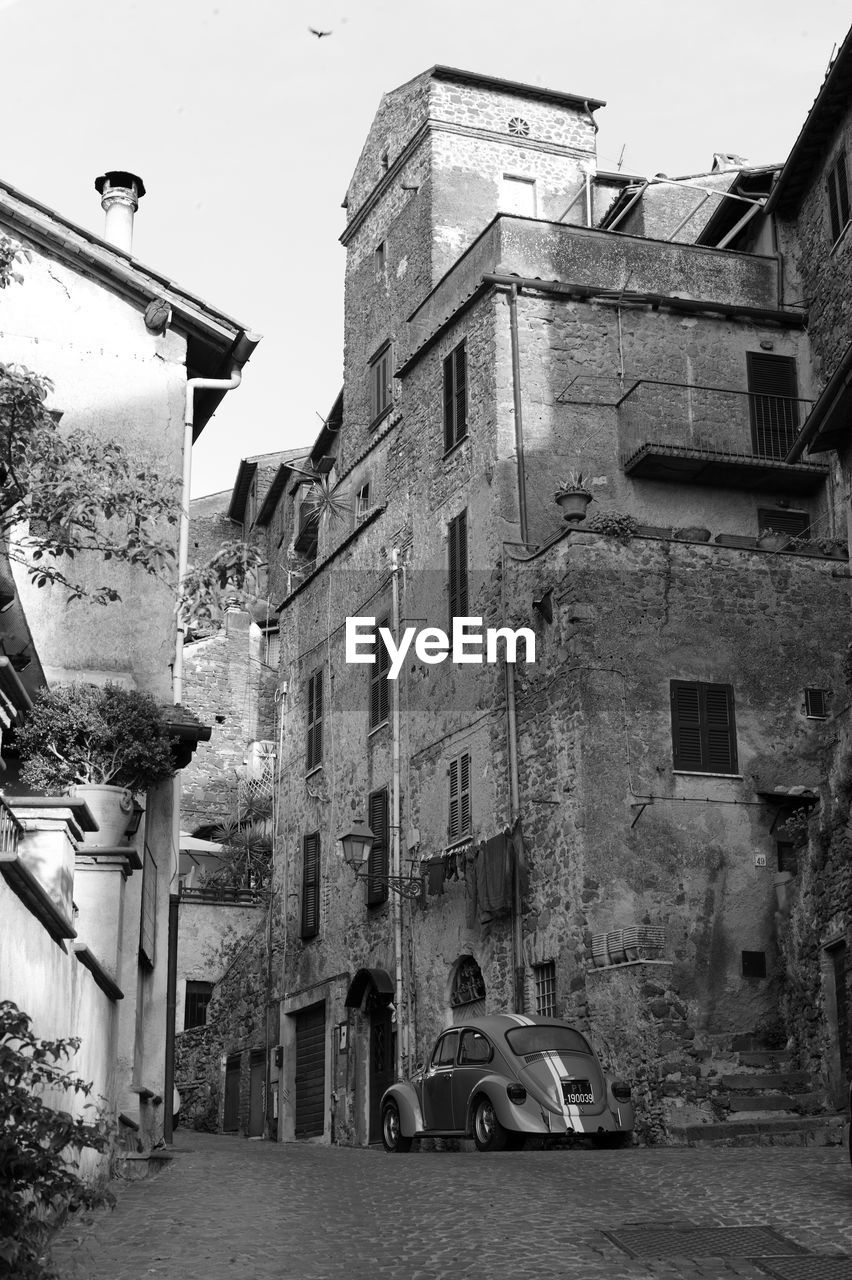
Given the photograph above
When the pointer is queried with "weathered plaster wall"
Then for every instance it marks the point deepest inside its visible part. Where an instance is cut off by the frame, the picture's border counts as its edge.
(209, 934)
(114, 378)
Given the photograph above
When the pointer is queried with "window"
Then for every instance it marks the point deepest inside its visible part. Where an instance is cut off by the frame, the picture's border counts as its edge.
(272, 645)
(796, 523)
(195, 1006)
(377, 863)
(458, 566)
(379, 383)
(816, 704)
(362, 503)
(517, 195)
(545, 988)
(459, 823)
(148, 925)
(703, 728)
(315, 720)
(475, 1048)
(379, 687)
(754, 964)
(455, 397)
(773, 403)
(310, 885)
(787, 855)
(837, 185)
(445, 1050)
(379, 258)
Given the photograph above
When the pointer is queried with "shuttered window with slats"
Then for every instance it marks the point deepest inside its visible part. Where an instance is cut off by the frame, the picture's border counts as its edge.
(379, 688)
(455, 397)
(458, 566)
(460, 811)
(837, 186)
(782, 520)
(773, 403)
(314, 720)
(703, 727)
(377, 863)
(310, 885)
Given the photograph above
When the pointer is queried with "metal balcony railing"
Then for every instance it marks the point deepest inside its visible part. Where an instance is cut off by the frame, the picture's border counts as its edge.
(10, 833)
(718, 420)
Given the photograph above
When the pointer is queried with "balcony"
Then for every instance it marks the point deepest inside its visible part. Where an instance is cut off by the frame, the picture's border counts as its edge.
(689, 434)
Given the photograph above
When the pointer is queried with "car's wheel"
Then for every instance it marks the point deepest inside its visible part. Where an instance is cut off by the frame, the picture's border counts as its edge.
(392, 1135)
(488, 1132)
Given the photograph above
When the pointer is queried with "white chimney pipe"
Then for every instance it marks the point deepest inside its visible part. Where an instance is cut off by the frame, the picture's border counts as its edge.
(120, 194)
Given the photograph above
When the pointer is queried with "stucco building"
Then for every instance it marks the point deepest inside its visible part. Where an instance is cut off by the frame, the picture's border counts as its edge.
(84, 942)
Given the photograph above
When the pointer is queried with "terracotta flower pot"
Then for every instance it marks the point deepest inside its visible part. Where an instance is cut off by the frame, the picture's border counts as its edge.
(573, 503)
(112, 809)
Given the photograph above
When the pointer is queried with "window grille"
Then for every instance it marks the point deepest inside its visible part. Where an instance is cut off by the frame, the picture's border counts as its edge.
(545, 988)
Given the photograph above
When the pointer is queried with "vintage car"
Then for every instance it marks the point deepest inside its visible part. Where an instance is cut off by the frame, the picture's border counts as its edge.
(503, 1078)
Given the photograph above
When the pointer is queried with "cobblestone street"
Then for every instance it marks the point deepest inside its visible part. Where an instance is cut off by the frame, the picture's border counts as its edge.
(231, 1207)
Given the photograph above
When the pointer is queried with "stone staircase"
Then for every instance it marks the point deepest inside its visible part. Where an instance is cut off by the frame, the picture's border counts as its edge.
(753, 1097)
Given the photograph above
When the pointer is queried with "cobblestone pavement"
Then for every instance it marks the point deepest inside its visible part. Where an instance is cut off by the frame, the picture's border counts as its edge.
(227, 1207)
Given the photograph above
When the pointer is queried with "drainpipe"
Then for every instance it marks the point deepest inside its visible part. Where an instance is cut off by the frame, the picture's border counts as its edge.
(516, 398)
(514, 791)
(243, 349)
(396, 872)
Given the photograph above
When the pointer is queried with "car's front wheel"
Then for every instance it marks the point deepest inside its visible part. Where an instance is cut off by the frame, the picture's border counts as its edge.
(392, 1136)
(488, 1133)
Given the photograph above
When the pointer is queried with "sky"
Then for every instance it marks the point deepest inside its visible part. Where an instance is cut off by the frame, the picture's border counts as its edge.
(246, 129)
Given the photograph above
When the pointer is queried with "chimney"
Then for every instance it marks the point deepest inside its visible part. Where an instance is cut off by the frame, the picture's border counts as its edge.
(120, 194)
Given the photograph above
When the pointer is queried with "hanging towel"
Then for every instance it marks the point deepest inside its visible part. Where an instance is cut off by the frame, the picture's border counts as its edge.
(494, 878)
(436, 876)
(471, 858)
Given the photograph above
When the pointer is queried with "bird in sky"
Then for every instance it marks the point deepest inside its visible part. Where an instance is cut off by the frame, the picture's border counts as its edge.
(319, 34)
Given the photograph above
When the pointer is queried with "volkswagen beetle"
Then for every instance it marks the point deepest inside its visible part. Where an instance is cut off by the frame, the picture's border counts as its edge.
(502, 1078)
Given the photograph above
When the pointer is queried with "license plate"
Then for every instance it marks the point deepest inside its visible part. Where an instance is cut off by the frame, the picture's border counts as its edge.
(577, 1092)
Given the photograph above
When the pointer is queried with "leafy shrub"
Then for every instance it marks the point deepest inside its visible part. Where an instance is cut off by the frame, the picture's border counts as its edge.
(38, 1181)
(618, 524)
(85, 733)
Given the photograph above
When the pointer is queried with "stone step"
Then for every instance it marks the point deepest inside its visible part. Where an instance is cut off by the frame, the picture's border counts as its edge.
(761, 1102)
(769, 1131)
(785, 1081)
(776, 1059)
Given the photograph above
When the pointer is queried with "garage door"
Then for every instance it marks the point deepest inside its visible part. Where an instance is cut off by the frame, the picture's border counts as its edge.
(310, 1072)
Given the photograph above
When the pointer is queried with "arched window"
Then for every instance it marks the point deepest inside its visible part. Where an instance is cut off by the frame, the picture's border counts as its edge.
(467, 991)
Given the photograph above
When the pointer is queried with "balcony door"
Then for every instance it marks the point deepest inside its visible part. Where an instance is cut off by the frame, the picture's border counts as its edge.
(773, 403)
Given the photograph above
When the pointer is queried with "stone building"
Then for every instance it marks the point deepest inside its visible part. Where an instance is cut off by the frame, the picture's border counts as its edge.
(512, 317)
(84, 942)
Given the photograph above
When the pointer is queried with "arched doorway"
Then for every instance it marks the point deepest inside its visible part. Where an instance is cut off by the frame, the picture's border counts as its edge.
(371, 993)
(467, 991)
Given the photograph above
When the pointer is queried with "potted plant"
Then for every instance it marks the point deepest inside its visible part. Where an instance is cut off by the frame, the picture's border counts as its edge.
(773, 540)
(574, 494)
(99, 742)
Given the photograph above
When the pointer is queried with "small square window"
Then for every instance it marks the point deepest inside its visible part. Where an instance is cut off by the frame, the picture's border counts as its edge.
(545, 988)
(195, 1006)
(816, 704)
(754, 964)
(788, 858)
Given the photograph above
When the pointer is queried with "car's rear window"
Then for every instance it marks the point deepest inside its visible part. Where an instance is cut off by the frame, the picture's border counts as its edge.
(539, 1039)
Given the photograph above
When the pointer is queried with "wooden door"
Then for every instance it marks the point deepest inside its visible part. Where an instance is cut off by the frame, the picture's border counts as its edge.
(381, 1067)
(310, 1072)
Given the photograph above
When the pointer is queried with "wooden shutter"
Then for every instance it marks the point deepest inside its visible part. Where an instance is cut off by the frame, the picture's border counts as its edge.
(703, 728)
(377, 864)
(379, 689)
(455, 396)
(310, 885)
(796, 523)
(458, 566)
(837, 187)
(460, 810)
(773, 403)
(315, 720)
(148, 923)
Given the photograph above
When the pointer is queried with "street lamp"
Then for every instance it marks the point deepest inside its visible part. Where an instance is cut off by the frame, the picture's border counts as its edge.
(357, 841)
